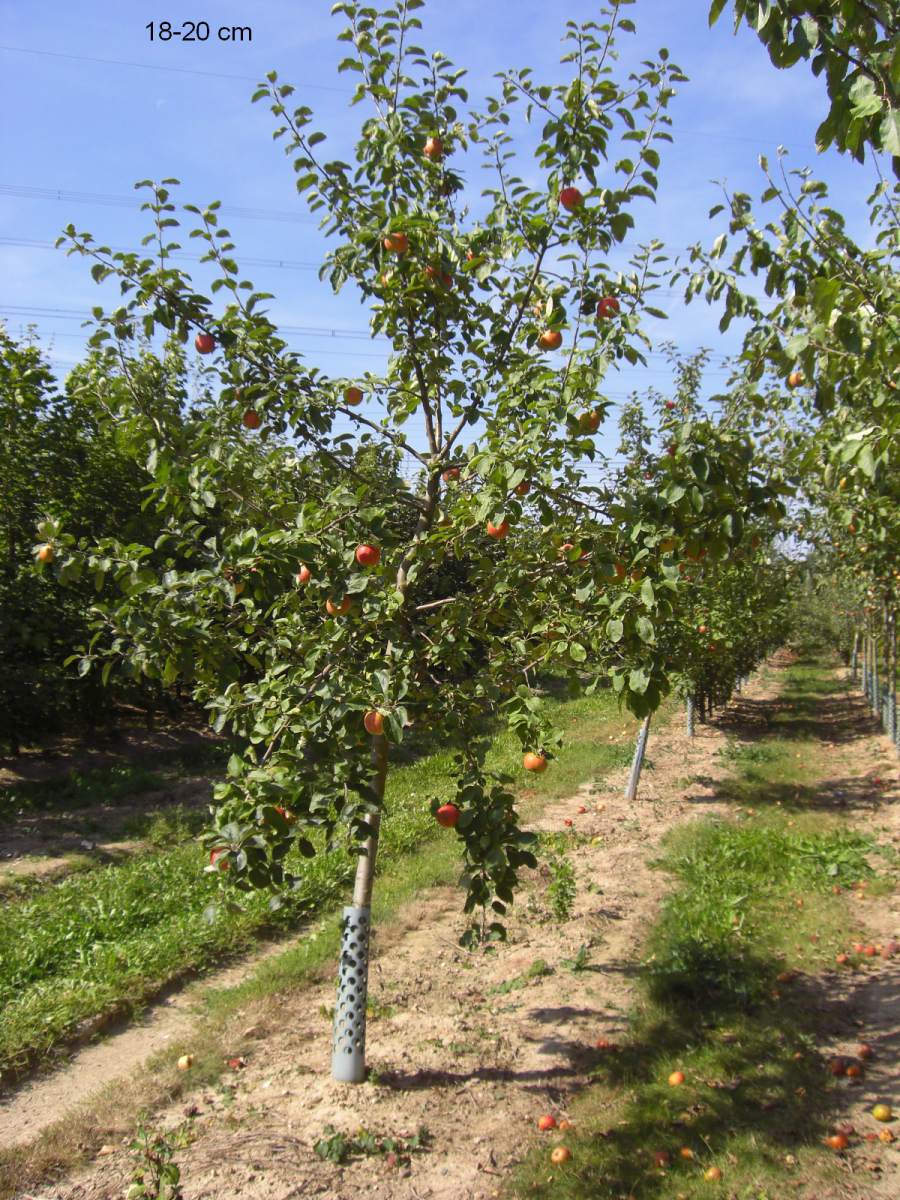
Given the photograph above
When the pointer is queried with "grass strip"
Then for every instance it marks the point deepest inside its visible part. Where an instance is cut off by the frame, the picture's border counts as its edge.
(100, 943)
(731, 992)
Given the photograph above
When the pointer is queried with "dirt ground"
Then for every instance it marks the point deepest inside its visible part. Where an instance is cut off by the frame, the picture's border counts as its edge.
(476, 1048)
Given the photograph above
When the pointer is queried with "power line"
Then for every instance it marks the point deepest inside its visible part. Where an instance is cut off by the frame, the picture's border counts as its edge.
(281, 263)
(74, 314)
(107, 200)
(118, 62)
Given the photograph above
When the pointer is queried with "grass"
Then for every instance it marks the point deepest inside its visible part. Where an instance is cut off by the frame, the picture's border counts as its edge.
(102, 942)
(721, 999)
(78, 789)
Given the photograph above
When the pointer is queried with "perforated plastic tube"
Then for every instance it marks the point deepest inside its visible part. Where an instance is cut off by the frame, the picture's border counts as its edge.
(348, 1051)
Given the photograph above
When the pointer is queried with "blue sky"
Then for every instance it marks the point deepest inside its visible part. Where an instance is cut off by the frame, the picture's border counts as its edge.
(95, 128)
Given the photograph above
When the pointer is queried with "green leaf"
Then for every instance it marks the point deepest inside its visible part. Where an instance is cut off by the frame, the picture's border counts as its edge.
(864, 101)
(645, 630)
(715, 11)
(889, 131)
(866, 461)
(648, 596)
(614, 630)
(638, 680)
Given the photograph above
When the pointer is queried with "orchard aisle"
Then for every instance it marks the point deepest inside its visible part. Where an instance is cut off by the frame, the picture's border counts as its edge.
(474, 1050)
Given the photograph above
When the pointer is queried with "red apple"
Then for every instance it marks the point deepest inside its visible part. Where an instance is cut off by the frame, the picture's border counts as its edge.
(374, 723)
(397, 243)
(498, 532)
(205, 343)
(304, 574)
(215, 855)
(251, 419)
(570, 198)
(534, 762)
(451, 475)
(608, 307)
(353, 396)
(368, 556)
(547, 1121)
(338, 610)
(434, 149)
(447, 815)
(550, 339)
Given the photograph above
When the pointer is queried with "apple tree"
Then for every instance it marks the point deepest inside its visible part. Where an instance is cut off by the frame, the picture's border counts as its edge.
(296, 596)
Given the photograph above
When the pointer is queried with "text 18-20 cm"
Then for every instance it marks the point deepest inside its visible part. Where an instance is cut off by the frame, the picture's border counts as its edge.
(197, 31)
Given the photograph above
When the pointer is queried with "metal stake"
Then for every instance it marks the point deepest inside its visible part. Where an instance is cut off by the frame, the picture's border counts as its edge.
(638, 761)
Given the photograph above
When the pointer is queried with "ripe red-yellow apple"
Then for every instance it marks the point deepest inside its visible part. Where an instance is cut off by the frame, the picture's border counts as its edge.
(374, 723)
(338, 610)
(434, 149)
(46, 553)
(560, 1155)
(304, 574)
(205, 343)
(676, 1079)
(608, 307)
(396, 243)
(712, 1174)
(550, 339)
(185, 1062)
(547, 1121)
(864, 1050)
(589, 422)
(498, 532)
(451, 475)
(353, 396)
(368, 556)
(570, 198)
(215, 856)
(447, 815)
(838, 1141)
(795, 379)
(534, 762)
(523, 488)
(251, 419)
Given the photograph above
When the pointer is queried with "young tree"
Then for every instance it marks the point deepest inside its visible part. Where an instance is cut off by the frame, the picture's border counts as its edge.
(318, 607)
